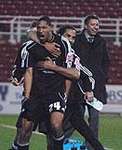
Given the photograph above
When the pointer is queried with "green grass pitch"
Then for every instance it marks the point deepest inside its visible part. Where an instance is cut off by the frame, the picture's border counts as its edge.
(110, 133)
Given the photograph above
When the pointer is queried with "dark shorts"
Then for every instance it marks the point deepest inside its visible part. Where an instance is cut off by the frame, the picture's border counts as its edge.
(71, 110)
(40, 108)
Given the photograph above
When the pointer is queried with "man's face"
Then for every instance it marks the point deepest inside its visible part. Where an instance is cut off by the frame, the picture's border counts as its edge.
(70, 34)
(43, 31)
(92, 27)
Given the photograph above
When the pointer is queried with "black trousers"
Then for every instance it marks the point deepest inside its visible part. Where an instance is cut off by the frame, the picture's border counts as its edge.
(75, 112)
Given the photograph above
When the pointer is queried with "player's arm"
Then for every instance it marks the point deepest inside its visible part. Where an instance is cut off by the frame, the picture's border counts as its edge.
(86, 80)
(71, 73)
(72, 60)
(86, 83)
(18, 71)
(86, 76)
(68, 84)
(28, 77)
(28, 81)
(17, 76)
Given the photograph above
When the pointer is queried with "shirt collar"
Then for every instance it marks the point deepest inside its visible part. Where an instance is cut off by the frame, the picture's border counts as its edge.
(89, 37)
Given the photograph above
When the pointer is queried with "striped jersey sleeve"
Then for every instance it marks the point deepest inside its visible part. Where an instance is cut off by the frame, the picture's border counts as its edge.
(72, 60)
(21, 61)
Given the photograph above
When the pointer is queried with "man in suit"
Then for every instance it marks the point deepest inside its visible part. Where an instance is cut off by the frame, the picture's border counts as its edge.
(92, 50)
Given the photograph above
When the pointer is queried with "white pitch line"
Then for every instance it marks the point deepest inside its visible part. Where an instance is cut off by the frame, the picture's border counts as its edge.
(108, 148)
(13, 127)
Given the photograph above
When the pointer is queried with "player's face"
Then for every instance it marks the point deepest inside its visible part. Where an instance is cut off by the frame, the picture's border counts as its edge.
(70, 34)
(43, 31)
(92, 27)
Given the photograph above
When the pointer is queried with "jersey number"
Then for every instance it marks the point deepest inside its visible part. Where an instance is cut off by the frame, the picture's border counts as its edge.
(54, 106)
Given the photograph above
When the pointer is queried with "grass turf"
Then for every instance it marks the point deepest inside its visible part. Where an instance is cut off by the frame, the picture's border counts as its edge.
(110, 133)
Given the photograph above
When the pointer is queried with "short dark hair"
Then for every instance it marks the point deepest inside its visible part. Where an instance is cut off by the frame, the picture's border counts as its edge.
(45, 18)
(63, 29)
(89, 17)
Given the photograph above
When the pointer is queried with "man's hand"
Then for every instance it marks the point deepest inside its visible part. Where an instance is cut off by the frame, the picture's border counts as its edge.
(15, 82)
(53, 48)
(88, 96)
(47, 64)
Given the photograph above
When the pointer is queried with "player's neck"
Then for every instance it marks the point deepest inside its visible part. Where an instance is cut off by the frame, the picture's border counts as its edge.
(51, 38)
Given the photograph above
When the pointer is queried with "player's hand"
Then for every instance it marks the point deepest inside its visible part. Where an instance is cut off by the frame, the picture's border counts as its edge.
(53, 48)
(15, 82)
(25, 103)
(47, 64)
(63, 99)
(88, 96)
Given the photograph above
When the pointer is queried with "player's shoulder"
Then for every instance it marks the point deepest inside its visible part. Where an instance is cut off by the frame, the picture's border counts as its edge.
(30, 45)
(60, 40)
(57, 38)
(27, 44)
(63, 44)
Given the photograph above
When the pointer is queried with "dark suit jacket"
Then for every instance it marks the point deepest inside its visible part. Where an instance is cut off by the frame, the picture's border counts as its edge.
(95, 57)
